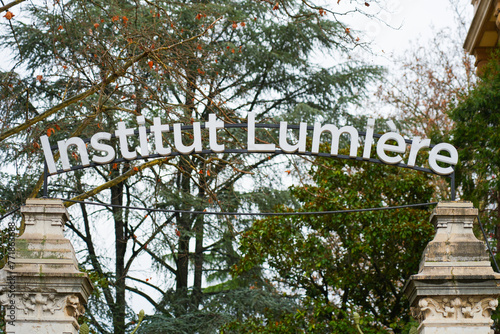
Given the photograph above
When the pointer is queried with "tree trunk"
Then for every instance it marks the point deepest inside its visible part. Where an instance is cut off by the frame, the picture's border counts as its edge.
(120, 248)
(198, 261)
(184, 228)
(183, 253)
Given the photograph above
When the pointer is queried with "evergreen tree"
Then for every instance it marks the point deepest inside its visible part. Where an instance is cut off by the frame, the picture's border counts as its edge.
(476, 136)
(338, 264)
(83, 66)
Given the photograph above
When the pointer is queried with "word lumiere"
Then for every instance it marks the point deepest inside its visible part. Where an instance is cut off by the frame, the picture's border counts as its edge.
(389, 147)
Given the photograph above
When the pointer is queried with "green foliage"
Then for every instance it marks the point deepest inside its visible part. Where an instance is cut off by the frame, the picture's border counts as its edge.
(477, 139)
(84, 329)
(221, 307)
(140, 318)
(476, 136)
(344, 262)
(89, 64)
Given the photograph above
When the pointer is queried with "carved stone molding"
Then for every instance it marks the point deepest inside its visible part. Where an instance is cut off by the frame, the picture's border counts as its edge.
(450, 309)
(57, 222)
(31, 303)
(45, 291)
(73, 307)
(29, 220)
(497, 11)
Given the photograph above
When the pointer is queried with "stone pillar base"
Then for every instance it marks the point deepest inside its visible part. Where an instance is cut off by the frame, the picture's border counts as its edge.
(456, 289)
(42, 289)
(445, 329)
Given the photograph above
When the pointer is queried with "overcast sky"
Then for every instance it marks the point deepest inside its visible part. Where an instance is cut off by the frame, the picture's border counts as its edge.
(416, 20)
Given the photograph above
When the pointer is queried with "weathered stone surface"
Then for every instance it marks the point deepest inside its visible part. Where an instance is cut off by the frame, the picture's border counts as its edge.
(41, 285)
(456, 289)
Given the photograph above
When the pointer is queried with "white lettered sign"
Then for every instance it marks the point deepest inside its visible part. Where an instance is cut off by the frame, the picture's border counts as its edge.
(390, 147)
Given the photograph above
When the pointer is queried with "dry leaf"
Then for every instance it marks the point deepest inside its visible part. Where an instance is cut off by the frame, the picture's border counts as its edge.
(9, 15)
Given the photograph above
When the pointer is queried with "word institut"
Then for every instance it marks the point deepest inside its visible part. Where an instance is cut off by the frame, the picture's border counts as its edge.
(389, 147)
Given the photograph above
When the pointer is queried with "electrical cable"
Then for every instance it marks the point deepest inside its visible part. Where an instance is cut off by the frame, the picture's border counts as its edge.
(251, 213)
(9, 213)
(270, 214)
(488, 244)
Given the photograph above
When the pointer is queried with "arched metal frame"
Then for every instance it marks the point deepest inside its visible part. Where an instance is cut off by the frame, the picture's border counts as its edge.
(245, 151)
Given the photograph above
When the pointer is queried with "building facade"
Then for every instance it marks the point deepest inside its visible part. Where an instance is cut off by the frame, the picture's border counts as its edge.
(483, 34)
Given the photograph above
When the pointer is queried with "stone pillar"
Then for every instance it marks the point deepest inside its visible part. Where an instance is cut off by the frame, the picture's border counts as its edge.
(42, 289)
(456, 289)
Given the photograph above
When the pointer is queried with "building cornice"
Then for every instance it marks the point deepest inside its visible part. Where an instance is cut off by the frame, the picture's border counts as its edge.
(480, 24)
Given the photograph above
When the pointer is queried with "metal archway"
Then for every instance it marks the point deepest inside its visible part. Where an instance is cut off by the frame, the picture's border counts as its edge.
(246, 151)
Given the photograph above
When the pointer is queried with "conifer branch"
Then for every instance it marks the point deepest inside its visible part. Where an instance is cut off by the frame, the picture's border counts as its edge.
(76, 133)
(115, 181)
(110, 79)
(144, 245)
(9, 5)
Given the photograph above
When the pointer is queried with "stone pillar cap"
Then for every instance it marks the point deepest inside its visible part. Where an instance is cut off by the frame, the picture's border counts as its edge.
(455, 262)
(45, 205)
(454, 211)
